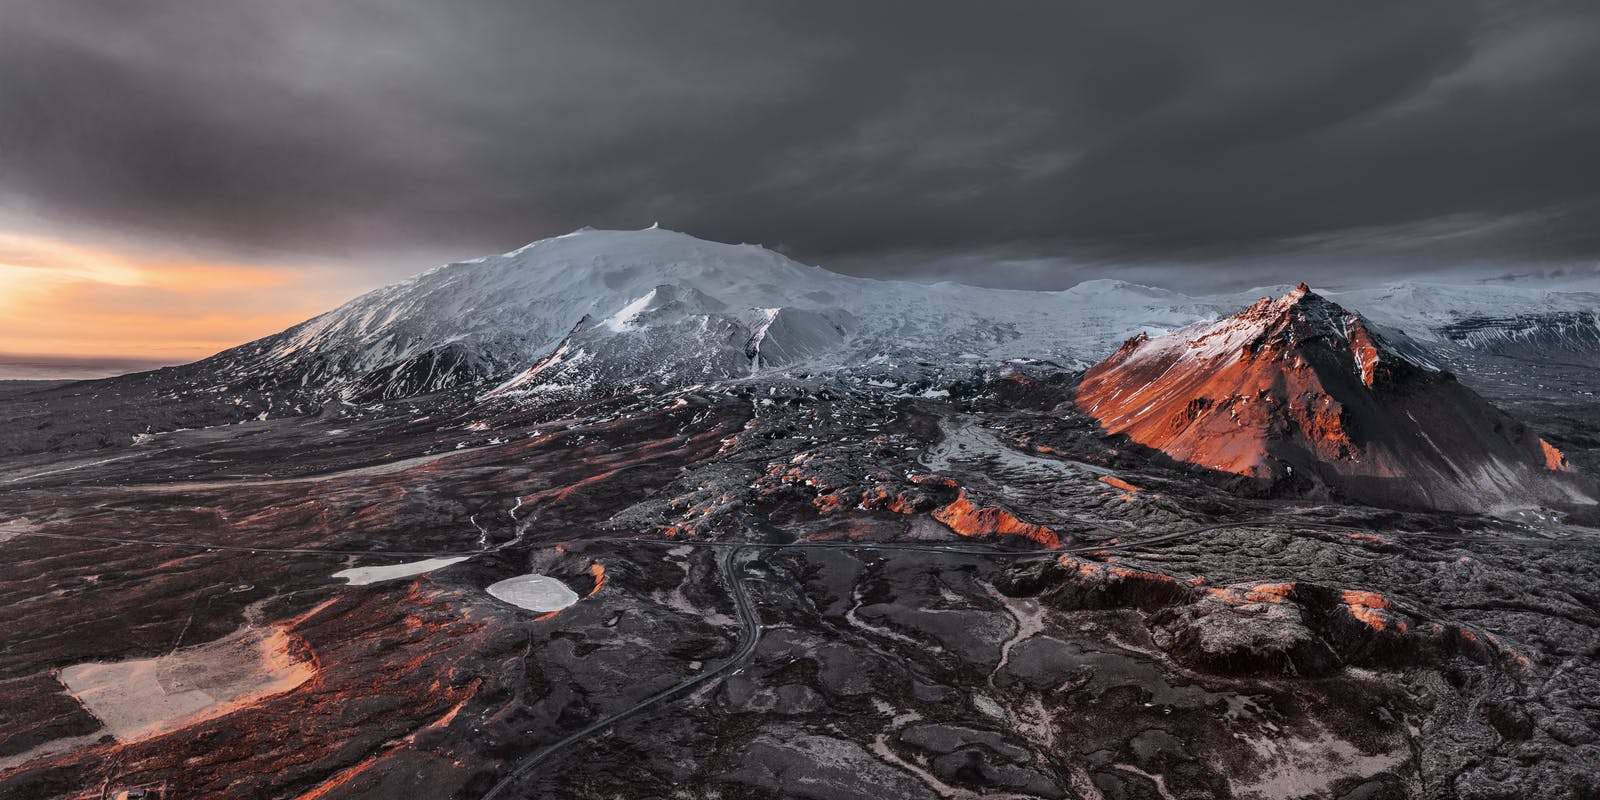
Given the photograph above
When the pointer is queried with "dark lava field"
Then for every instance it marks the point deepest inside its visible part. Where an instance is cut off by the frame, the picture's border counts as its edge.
(794, 589)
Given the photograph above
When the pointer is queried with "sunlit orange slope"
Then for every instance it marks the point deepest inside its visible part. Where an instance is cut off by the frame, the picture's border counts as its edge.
(1299, 391)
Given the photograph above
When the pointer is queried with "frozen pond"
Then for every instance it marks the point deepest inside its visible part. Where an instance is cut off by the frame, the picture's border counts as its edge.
(534, 592)
(361, 576)
(145, 697)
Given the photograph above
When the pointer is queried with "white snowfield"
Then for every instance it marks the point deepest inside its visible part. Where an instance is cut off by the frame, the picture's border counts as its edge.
(362, 576)
(655, 306)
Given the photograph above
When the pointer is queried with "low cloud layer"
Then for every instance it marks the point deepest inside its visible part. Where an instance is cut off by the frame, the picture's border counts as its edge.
(1007, 143)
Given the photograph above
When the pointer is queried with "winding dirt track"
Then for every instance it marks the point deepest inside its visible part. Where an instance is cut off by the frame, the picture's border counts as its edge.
(749, 636)
(750, 625)
(234, 548)
(733, 572)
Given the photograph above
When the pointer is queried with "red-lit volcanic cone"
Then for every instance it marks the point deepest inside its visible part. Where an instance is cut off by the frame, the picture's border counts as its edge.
(1298, 392)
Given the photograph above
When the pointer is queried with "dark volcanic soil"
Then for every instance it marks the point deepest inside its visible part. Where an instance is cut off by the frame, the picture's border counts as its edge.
(813, 590)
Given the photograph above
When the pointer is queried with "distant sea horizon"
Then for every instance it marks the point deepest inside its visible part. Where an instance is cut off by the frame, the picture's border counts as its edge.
(36, 367)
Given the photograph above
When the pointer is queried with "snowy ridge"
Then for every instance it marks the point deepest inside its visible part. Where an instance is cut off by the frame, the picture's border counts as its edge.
(592, 309)
(1425, 310)
(671, 308)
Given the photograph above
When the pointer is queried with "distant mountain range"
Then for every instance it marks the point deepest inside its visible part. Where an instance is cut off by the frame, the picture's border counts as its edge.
(1298, 392)
(594, 310)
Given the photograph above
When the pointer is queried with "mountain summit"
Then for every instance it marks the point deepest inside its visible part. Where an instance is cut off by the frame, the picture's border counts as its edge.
(1296, 392)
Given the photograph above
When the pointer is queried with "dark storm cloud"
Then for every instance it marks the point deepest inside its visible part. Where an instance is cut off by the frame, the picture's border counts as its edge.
(1011, 143)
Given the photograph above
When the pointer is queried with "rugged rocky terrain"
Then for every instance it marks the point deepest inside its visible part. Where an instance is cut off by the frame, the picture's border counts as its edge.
(896, 576)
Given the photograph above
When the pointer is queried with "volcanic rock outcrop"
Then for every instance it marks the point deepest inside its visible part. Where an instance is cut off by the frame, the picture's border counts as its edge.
(1299, 395)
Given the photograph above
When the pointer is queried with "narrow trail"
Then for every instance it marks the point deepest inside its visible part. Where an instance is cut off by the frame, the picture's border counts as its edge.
(236, 548)
(969, 549)
(378, 469)
(928, 547)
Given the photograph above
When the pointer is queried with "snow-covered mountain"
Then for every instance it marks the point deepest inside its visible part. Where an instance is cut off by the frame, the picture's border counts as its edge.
(1297, 391)
(593, 308)
(603, 309)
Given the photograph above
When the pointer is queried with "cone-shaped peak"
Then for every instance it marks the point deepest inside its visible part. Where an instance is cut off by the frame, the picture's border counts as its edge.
(1298, 389)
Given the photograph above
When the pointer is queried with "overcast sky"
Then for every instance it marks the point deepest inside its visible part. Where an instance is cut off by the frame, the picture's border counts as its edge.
(1027, 144)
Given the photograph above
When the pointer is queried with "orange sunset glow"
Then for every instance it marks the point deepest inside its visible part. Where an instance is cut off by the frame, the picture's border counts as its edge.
(62, 298)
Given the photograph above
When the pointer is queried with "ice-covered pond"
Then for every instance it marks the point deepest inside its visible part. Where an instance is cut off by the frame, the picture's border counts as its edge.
(361, 576)
(141, 698)
(534, 592)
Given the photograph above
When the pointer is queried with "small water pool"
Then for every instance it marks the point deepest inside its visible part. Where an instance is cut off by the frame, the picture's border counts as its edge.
(534, 592)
